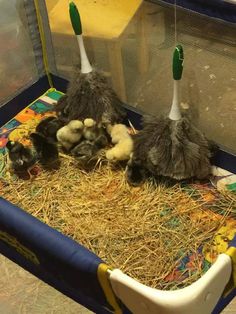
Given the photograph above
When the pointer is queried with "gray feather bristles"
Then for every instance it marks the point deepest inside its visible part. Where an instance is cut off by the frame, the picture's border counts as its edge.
(89, 95)
(174, 149)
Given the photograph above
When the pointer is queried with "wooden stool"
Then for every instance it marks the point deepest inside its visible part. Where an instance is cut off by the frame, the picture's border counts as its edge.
(103, 20)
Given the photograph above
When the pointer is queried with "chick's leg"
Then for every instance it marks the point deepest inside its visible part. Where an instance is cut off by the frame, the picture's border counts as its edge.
(135, 173)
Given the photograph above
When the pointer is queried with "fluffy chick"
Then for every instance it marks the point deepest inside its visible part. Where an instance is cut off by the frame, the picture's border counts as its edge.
(91, 130)
(123, 143)
(61, 108)
(85, 150)
(46, 149)
(95, 133)
(49, 127)
(101, 141)
(135, 172)
(21, 157)
(70, 134)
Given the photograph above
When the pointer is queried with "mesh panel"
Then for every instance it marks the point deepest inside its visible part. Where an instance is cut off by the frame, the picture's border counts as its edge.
(17, 68)
(138, 62)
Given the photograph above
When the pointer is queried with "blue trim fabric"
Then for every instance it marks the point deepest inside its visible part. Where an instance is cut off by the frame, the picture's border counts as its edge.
(223, 302)
(218, 9)
(225, 160)
(61, 258)
(47, 277)
(18, 103)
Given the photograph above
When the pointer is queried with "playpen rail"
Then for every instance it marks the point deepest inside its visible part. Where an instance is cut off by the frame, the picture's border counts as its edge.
(200, 297)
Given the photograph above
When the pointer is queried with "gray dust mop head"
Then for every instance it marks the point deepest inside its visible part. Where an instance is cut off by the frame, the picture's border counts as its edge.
(88, 95)
(171, 147)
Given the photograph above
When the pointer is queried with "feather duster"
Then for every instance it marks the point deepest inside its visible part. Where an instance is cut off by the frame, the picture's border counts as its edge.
(174, 149)
(88, 94)
(171, 147)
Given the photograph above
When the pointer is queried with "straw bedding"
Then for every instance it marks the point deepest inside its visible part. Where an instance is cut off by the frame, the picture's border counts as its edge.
(145, 231)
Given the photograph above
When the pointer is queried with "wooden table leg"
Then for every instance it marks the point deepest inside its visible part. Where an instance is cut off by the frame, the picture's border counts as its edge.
(116, 68)
(142, 33)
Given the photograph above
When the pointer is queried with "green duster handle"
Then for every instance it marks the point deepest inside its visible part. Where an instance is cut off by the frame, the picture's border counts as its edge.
(177, 68)
(178, 59)
(75, 19)
(76, 24)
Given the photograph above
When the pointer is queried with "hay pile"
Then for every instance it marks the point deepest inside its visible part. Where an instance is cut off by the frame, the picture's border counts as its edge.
(144, 231)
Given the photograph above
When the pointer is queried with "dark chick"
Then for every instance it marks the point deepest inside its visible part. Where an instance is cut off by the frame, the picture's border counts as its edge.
(46, 149)
(135, 172)
(22, 158)
(49, 127)
(61, 108)
(94, 133)
(85, 150)
(101, 141)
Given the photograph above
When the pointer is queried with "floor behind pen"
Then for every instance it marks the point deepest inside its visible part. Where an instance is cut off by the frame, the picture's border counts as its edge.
(21, 292)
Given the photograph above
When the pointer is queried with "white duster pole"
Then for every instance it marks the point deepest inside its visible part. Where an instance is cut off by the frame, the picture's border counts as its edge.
(175, 111)
(85, 64)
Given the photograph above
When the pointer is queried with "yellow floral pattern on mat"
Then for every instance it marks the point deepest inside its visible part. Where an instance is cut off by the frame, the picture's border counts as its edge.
(221, 241)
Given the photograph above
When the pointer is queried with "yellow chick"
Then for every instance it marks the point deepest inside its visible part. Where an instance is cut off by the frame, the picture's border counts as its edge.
(123, 143)
(90, 131)
(70, 134)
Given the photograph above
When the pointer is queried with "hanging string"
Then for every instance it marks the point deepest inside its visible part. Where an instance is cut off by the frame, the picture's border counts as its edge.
(175, 12)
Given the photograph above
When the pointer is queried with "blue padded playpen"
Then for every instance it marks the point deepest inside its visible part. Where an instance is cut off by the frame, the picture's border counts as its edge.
(54, 257)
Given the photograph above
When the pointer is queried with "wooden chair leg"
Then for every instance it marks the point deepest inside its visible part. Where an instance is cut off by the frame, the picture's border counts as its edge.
(116, 68)
(142, 33)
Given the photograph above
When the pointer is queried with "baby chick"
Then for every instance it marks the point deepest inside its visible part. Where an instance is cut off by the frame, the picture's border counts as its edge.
(61, 108)
(49, 127)
(123, 143)
(135, 173)
(95, 133)
(91, 131)
(70, 134)
(85, 150)
(21, 157)
(46, 149)
(101, 141)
